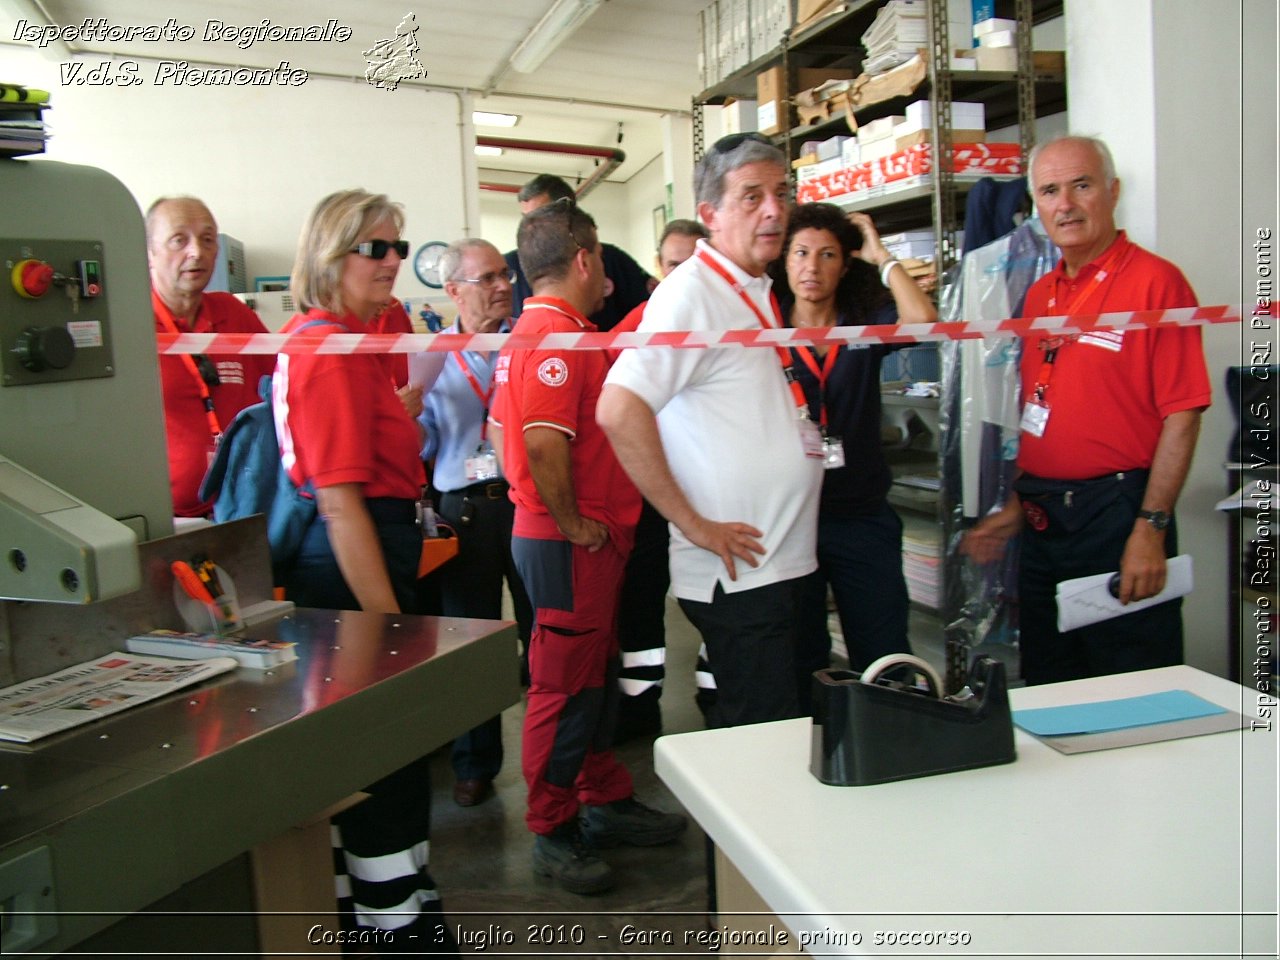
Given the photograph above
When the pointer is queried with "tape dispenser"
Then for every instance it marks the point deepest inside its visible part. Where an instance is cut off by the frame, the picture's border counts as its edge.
(892, 722)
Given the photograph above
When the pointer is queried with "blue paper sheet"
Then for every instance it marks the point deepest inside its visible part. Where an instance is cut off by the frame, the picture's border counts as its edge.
(1107, 715)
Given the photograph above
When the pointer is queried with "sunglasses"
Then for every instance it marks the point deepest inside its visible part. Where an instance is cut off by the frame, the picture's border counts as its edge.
(377, 249)
(734, 140)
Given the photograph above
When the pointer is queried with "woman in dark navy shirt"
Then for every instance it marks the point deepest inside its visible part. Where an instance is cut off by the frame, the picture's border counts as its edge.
(838, 272)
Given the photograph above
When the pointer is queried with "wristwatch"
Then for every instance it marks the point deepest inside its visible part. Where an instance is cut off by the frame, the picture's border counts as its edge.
(1157, 518)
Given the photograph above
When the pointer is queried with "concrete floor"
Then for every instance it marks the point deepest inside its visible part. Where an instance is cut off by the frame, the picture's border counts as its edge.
(480, 856)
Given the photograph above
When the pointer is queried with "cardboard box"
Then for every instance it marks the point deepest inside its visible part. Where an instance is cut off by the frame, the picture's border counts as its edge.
(822, 168)
(808, 154)
(983, 10)
(985, 158)
(850, 152)
(813, 10)
(965, 115)
(879, 129)
(773, 110)
(829, 149)
(914, 137)
(819, 112)
(1049, 63)
(1001, 38)
(992, 25)
(1004, 59)
(769, 21)
(738, 116)
(877, 149)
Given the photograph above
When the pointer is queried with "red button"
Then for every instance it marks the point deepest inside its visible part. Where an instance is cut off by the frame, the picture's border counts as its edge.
(32, 278)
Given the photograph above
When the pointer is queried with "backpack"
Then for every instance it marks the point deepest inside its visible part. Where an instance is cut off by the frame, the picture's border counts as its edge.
(247, 476)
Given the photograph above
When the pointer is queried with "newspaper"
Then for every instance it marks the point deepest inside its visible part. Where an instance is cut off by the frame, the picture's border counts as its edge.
(98, 688)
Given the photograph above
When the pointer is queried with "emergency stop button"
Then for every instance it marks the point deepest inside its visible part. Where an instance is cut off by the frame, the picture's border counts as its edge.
(32, 278)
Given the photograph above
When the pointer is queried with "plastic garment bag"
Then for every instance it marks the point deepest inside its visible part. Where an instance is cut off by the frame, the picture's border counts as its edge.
(980, 414)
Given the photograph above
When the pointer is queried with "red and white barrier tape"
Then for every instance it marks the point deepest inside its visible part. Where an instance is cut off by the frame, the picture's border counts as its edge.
(348, 343)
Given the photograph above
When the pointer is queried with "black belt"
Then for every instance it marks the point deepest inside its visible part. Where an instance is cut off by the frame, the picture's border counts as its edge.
(488, 490)
(1030, 485)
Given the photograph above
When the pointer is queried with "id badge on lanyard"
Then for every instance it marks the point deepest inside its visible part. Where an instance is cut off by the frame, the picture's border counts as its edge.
(832, 453)
(810, 436)
(832, 447)
(483, 464)
(1035, 418)
(1035, 412)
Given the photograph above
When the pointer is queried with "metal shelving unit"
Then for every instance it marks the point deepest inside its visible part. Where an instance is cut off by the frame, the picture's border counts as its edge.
(935, 198)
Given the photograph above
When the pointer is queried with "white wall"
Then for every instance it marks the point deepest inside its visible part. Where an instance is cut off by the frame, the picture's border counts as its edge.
(1162, 83)
(622, 211)
(647, 192)
(261, 157)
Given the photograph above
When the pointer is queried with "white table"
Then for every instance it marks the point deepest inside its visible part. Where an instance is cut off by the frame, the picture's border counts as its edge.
(1163, 849)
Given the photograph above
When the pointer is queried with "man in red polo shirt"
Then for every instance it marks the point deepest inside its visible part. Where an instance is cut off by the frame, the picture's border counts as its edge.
(575, 519)
(1109, 426)
(201, 394)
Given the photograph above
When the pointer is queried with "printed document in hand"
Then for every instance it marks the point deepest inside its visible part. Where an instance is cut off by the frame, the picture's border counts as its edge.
(1087, 600)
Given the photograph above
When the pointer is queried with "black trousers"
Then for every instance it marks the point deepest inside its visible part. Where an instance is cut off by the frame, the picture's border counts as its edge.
(1088, 543)
(384, 887)
(642, 609)
(471, 586)
(751, 645)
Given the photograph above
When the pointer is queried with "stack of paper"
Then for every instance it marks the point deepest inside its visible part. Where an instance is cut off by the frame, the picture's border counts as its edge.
(902, 27)
(898, 31)
(22, 127)
(922, 559)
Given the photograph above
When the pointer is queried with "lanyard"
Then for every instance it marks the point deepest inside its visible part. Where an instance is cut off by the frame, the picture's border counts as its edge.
(1100, 281)
(822, 373)
(784, 355)
(483, 396)
(215, 428)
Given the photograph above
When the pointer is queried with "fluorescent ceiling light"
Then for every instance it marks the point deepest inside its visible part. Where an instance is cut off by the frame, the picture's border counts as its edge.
(483, 118)
(564, 17)
(488, 151)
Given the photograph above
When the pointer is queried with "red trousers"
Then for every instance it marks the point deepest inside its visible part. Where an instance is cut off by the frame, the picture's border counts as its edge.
(573, 689)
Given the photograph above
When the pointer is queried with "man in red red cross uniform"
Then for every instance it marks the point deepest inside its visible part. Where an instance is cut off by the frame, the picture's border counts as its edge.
(201, 394)
(575, 519)
(1109, 426)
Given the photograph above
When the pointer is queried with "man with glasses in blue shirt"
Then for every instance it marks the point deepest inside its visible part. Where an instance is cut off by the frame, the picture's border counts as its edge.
(473, 490)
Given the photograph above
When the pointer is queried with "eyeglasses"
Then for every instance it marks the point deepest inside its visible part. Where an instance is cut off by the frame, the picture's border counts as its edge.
(489, 279)
(567, 205)
(377, 249)
(734, 140)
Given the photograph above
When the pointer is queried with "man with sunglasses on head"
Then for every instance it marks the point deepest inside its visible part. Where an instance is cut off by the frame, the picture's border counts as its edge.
(626, 283)
(575, 520)
(473, 489)
(719, 441)
(201, 393)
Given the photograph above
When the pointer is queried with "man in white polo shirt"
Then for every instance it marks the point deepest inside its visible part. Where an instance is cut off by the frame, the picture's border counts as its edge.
(720, 443)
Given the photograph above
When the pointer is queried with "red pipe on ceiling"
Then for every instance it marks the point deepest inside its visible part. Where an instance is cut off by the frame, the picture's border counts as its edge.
(613, 159)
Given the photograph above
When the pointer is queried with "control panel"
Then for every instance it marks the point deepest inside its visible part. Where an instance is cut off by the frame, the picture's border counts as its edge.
(53, 312)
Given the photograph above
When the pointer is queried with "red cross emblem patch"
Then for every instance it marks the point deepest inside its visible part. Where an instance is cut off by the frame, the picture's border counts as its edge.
(553, 372)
